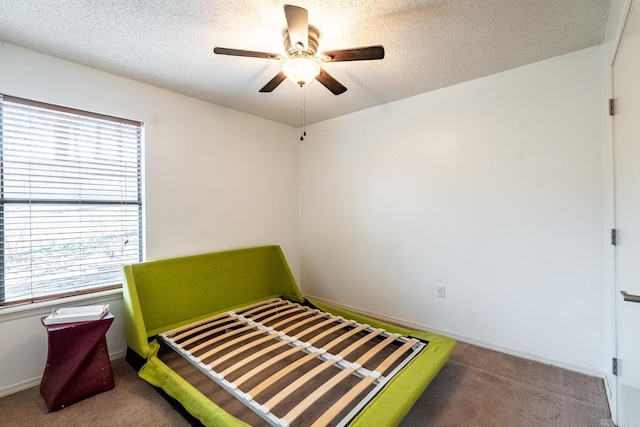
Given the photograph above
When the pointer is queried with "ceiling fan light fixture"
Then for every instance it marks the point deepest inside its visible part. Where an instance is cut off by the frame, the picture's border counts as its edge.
(301, 46)
(301, 71)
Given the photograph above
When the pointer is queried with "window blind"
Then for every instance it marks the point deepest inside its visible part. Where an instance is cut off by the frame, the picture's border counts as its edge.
(70, 200)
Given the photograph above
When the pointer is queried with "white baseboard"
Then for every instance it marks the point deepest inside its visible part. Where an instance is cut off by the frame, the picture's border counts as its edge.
(23, 385)
(608, 384)
(470, 340)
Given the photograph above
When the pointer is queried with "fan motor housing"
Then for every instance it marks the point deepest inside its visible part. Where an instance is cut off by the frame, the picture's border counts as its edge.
(312, 43)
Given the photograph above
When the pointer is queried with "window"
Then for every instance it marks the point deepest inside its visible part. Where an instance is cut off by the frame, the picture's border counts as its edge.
(70, 200)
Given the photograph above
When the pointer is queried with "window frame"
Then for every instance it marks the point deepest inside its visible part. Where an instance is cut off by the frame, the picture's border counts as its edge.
(69, 293)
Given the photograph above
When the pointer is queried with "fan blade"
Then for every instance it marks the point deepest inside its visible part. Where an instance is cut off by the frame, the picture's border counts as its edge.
(274, 82)
(356, 54)
(330, 83)
(248, 53)
(298, 25)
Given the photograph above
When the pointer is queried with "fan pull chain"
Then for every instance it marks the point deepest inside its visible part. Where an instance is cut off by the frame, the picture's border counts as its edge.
(303, 113)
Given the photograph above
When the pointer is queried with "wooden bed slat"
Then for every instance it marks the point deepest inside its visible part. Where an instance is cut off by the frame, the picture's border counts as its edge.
(203, 327)
(371, 335)
(396, 355)
(253, 357)
(362, 384)
(316, 338)
(248, 346)
(316, 394)
(291, 367)
(294, 318)
(231, 343)
(279, 312)
(247, 329)
(265, 365)
(344, 401)
(271, 380)
(292, 387)
(214, 317)
(197, 348)
(382, 344)
(208, 333)
(275, 302)
(297, 324)
(239, 321)
(271, 361)
(355, 391)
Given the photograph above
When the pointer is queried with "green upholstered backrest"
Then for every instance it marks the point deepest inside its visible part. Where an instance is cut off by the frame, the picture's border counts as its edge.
(160, 295)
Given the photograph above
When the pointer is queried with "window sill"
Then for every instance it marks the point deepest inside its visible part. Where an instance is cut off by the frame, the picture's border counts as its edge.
(44, 307)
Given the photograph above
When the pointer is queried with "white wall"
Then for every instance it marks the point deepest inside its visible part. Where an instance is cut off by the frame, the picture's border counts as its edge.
(492, 188)
(214, 179)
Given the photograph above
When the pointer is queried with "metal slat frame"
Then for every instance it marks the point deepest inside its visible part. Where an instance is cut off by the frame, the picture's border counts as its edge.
(248, 327)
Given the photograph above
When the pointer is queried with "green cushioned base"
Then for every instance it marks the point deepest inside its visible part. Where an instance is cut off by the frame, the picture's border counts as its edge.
(161, 295)
(198, 405)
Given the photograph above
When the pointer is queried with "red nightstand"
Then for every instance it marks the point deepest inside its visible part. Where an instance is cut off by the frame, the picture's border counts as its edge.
(78, 364)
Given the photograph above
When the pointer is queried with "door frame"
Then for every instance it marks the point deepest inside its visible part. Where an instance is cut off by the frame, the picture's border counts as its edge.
(618, 16)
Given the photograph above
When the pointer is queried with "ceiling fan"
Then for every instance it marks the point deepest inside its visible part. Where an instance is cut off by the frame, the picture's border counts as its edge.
(301, 64)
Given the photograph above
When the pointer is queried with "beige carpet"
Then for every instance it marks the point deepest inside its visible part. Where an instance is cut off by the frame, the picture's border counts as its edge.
(480, 387)
(477, 387)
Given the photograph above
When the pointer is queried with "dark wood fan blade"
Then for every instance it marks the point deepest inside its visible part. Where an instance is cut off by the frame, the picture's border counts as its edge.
(248, 53)
(356, 54)
(298, 25)
(330, 83)
(274, 82)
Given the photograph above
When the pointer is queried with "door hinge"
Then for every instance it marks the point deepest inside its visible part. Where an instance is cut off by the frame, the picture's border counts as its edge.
(614, 366)
(614, 237)
(612, 108)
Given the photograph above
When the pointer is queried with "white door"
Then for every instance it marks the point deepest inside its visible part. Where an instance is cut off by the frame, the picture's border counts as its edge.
(626, 147)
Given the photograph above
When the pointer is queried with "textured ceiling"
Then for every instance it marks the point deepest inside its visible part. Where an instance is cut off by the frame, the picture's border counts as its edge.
(429, 44)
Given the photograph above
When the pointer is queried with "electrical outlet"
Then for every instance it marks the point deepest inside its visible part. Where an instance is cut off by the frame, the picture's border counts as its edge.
(440, 291)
